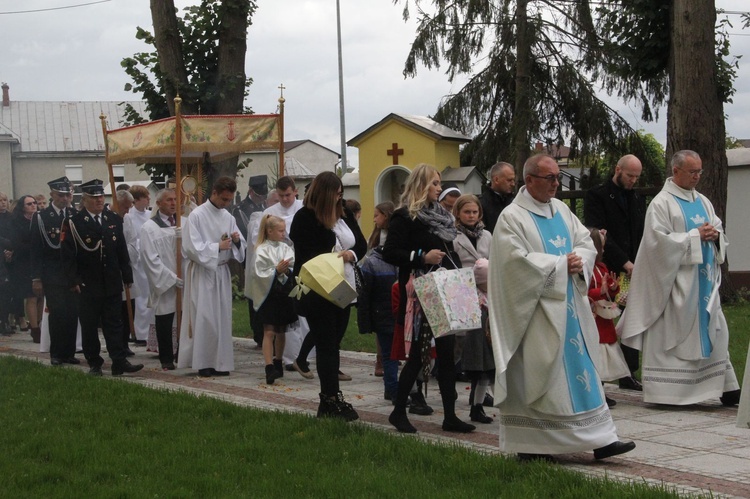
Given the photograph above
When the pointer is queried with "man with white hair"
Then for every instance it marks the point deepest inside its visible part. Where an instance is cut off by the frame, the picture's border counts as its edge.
(499, 194)
(674, 311)
(544, 338)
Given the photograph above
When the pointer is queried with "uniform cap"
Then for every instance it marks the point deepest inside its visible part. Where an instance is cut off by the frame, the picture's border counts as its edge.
(93, 188)
(61, 184)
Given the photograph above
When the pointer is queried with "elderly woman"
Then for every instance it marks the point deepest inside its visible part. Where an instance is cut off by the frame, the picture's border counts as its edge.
(321, 224)
(420, 239)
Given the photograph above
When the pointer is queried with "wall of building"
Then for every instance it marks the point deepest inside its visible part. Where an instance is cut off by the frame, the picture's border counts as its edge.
(6, 169)
(738, 223)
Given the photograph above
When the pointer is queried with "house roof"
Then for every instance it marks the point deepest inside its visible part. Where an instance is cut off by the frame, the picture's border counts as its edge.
(293, 168)
(738, 157)
(70, 126)
(291, 144)
(148, 184)
(458, 174)
(422, 123)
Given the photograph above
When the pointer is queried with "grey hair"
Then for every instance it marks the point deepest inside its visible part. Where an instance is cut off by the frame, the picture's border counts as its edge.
(497, 167)
(679, 157)
(163, 192)
(123, 195)
(531, 166)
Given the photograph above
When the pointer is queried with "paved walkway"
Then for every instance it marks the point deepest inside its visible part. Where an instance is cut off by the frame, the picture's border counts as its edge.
(695, 449)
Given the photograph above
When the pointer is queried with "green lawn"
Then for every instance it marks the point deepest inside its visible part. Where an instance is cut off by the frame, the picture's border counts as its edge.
(66, 434)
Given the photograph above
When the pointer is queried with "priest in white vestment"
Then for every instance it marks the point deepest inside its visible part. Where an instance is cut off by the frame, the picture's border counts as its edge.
(158, 253)
(544, 338)
(674, 312)
(210, 238)
(138, 215)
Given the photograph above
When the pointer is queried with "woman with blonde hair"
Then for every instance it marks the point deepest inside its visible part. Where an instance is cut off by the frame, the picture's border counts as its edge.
(420, 239)
(321, 224)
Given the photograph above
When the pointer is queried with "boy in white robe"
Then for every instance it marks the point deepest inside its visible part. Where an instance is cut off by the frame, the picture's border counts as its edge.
(674, 312)
(210, 237)
(138, 215)
(544, 339)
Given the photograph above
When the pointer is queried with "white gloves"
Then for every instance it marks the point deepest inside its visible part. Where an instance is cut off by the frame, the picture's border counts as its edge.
(179, 284)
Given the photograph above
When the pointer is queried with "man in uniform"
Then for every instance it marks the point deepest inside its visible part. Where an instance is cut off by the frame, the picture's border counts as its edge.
(96, 263)
(618, 208)
(159, 260)
(500, 193)
(48, 277)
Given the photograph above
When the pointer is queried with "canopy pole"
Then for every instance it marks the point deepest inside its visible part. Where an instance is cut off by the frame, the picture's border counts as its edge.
(114, 204)
(178, 213)
(282, 100)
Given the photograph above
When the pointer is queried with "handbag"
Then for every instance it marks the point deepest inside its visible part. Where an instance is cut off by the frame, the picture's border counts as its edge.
(324, 275)
(358, 278)
(449, 301)
(606, 309)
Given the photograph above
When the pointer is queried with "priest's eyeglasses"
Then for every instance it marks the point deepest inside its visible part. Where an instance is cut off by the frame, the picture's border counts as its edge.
(549, 178)
(692, 173)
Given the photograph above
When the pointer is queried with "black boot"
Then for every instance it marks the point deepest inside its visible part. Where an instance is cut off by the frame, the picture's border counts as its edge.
(400, 421)
(271, 374)
(279, 366)
(477, 414)
(419, 405)
(336, 407)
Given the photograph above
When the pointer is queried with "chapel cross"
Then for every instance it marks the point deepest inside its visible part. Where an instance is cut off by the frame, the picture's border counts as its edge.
(395, 152)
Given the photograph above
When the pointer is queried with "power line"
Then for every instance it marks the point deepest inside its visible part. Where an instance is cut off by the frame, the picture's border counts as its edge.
(54, 8)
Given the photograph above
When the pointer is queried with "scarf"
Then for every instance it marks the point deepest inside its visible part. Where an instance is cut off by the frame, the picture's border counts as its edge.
(471, 232)
(439, 221)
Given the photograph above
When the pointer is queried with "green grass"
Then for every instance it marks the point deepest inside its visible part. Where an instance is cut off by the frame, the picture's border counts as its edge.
(69, 435)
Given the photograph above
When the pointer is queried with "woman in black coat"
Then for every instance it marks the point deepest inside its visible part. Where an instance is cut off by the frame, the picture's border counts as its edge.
(420, 238)
(24, 300)
(321, 225)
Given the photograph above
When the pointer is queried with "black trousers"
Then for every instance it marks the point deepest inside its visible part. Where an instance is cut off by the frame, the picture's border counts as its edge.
(163, 325)
(327, 327)
(126, 331)
(63, 305)
(631, 357)
(107, 310)
(446, 373)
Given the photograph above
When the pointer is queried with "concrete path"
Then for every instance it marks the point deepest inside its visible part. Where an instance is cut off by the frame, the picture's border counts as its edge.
(695, 449)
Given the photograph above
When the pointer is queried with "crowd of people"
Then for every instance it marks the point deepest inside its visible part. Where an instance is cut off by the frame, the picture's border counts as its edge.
(550, 288)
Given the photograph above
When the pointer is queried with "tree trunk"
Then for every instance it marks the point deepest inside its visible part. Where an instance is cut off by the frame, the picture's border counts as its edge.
(232, 49)
(168, 42)
(522, 109)
(695, 116)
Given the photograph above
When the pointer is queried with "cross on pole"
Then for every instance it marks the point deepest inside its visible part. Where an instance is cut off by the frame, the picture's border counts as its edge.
(395, 152)
(281, 87)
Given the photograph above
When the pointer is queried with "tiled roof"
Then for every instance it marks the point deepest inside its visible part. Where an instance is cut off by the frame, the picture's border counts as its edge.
(43, 126)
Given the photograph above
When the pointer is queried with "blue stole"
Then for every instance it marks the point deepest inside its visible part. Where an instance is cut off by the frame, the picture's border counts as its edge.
(695, 215)
(579, 369)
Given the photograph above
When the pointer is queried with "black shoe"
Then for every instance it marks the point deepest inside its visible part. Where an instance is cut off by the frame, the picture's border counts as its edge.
(168, 366)
(336, 407)
(419, 405)
(289, 367)
(271, 374)
(140, 343)
(56, 362)
(388, 396)
(95, 371)
(488, 401)
(125, 367)
(526, 458)
(129, 352)
(477, 414)
(220, 373)
(279, 366)
(614, 449)
(630, 383)
(610, 402)
(455, 425)
(401, 422)
(206, 373)
(730, 399)
(71, 360)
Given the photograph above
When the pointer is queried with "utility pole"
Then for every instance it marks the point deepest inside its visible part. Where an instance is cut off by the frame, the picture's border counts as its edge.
(342, 118)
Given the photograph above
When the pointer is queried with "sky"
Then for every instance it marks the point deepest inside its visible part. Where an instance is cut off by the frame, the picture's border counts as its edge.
(74, 54)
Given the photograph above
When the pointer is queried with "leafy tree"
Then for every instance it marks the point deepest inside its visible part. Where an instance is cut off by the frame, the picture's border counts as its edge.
(201, 57)
(525, 84)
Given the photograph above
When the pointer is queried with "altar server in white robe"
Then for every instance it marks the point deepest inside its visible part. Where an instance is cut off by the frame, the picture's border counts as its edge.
(285, 209)
(138, 215)
(210, 238)
(544, 338)
(674, 312)
(158, 255)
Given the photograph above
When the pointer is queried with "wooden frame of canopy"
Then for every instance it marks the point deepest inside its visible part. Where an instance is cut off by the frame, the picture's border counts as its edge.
(185, 139)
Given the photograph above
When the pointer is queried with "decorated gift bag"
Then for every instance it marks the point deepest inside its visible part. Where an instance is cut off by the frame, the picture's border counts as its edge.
(449, 301)
(324, 274)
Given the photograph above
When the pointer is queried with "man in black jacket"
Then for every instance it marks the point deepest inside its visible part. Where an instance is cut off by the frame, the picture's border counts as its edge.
(500, 193)
(96, 262)
(49, 279)
(617, 207)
